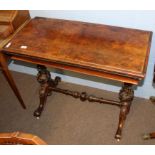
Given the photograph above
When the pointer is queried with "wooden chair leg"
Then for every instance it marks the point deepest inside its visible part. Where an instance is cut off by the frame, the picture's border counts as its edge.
(8, 76)
(126, 96)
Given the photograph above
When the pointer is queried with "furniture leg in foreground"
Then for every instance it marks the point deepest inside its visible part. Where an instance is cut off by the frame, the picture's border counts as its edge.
(126, 96)
(8, 76)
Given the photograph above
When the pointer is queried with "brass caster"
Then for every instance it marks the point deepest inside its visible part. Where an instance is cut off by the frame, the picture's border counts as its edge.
(37, 114)
(118, 137)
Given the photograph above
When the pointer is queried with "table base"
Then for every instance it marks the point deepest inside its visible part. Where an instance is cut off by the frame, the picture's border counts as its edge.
(48, 85)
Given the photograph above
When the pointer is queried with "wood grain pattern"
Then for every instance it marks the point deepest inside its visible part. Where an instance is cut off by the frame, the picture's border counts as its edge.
(78, 69)
(115, 50)
(93, 49)
(5, 31)
(13, 18)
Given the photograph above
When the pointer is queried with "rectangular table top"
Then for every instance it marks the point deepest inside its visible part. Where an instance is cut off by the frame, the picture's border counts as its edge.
(116, 50)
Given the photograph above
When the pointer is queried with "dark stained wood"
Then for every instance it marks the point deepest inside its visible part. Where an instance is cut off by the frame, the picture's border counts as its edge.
(126, 96)
(110, 52)
(83, 96)
(19, 138)
(48, 85)
(44, 78)
(114, 50)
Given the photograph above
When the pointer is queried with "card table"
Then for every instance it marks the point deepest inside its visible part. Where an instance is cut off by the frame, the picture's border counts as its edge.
(108, 52)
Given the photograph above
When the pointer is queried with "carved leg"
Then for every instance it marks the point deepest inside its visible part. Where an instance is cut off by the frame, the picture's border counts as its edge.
(8, 76)
(44, 78)
(126, 96)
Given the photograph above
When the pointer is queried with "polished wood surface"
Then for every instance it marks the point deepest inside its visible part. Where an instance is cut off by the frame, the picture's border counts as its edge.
(5, 31)
(19, 138)
(118, 51)
(76, 69)
(10, 20)
(110, 52)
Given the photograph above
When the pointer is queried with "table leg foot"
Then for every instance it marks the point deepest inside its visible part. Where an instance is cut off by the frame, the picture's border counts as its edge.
(126, 96)
(148, 136)
(44, 78)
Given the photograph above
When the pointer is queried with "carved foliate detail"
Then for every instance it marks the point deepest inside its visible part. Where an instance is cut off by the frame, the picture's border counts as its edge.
(49, 85)
(44, 78)
(43, 75)
(126, 96)
(126, 93)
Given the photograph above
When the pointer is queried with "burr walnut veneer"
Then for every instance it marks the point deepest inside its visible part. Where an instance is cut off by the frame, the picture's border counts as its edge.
(110, 52)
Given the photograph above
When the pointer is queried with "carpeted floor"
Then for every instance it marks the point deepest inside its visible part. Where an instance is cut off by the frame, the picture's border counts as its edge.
(66, 120)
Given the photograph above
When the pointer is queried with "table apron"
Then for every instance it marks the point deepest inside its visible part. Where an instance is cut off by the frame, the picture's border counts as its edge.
(110, 76)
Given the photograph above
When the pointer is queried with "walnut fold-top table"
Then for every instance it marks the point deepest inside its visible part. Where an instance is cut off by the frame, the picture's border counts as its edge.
(109, 52)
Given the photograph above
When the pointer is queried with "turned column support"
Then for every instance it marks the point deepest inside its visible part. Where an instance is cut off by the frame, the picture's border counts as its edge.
(48, 85)
(44, 78)
(126, 96)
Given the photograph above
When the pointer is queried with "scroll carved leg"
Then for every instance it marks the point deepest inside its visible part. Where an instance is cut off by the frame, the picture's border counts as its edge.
(126, 96)
(44, 78)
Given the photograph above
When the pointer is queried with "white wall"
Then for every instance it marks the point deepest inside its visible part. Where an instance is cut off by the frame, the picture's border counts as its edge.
(133, 19)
